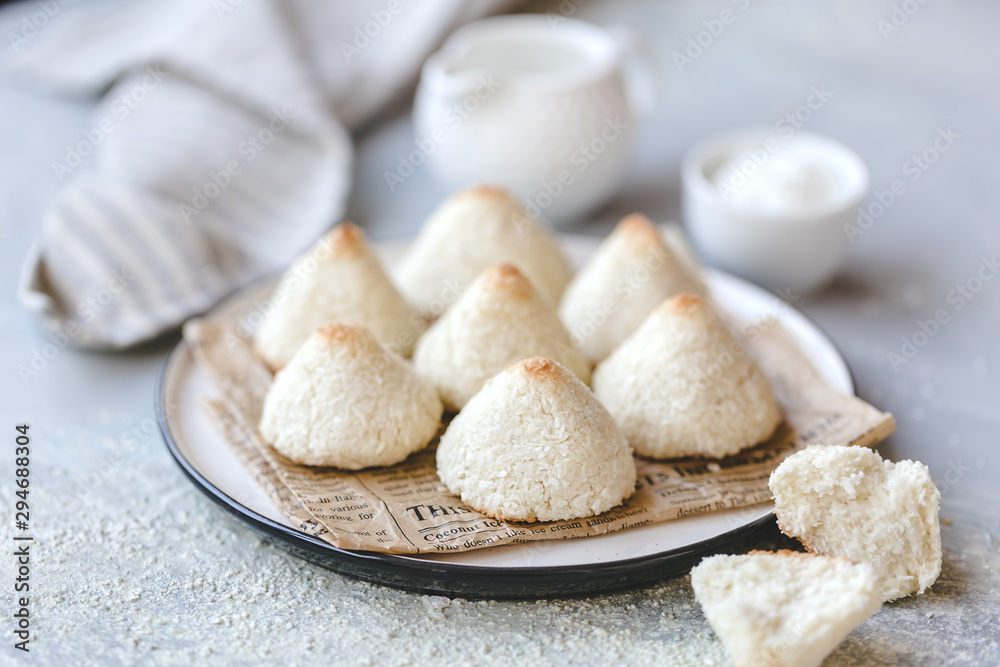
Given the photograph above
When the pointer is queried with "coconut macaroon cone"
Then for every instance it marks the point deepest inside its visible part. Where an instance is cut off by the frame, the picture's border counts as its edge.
(846, 501)
(500, 319)
(785, 608)
(470, 232)
(339, 280)
(681, 385)
(629, 275)
(535, 445)
(343, 400)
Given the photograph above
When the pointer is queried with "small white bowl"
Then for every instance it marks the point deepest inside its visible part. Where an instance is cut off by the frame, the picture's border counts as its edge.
(797, 245)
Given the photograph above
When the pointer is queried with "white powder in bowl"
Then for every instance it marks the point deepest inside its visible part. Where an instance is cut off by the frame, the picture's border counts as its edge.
(796, 175)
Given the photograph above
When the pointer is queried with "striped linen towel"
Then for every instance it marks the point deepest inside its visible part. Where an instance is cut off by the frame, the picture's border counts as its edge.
(219, 148)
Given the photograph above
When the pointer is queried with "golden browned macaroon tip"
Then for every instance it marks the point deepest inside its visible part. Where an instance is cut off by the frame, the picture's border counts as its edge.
(540, 367)
(338, 332)
(637, 224)
(683, 304)
(507, 279)
(639, 233)
(487, 191)
(346, 239)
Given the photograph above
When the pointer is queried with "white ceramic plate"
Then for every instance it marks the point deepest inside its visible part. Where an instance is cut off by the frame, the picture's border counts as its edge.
(547, 568)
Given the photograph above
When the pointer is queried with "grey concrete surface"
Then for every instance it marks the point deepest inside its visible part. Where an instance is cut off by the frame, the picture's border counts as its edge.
(133, 566)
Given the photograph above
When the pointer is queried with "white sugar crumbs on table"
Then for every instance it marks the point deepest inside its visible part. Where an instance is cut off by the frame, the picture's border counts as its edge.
(140, 568)
(171, 580)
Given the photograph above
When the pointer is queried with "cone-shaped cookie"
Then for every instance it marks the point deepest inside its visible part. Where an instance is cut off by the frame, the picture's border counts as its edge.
(682, 386)
(470, 232)
(339, 280)
(343, 400)
(847, 501)
(500, 319)
(534, 444)
(783, 609)
(629, 275)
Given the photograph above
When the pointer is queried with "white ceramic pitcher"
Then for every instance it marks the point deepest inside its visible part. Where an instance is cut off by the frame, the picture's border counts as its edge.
(539, 104)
